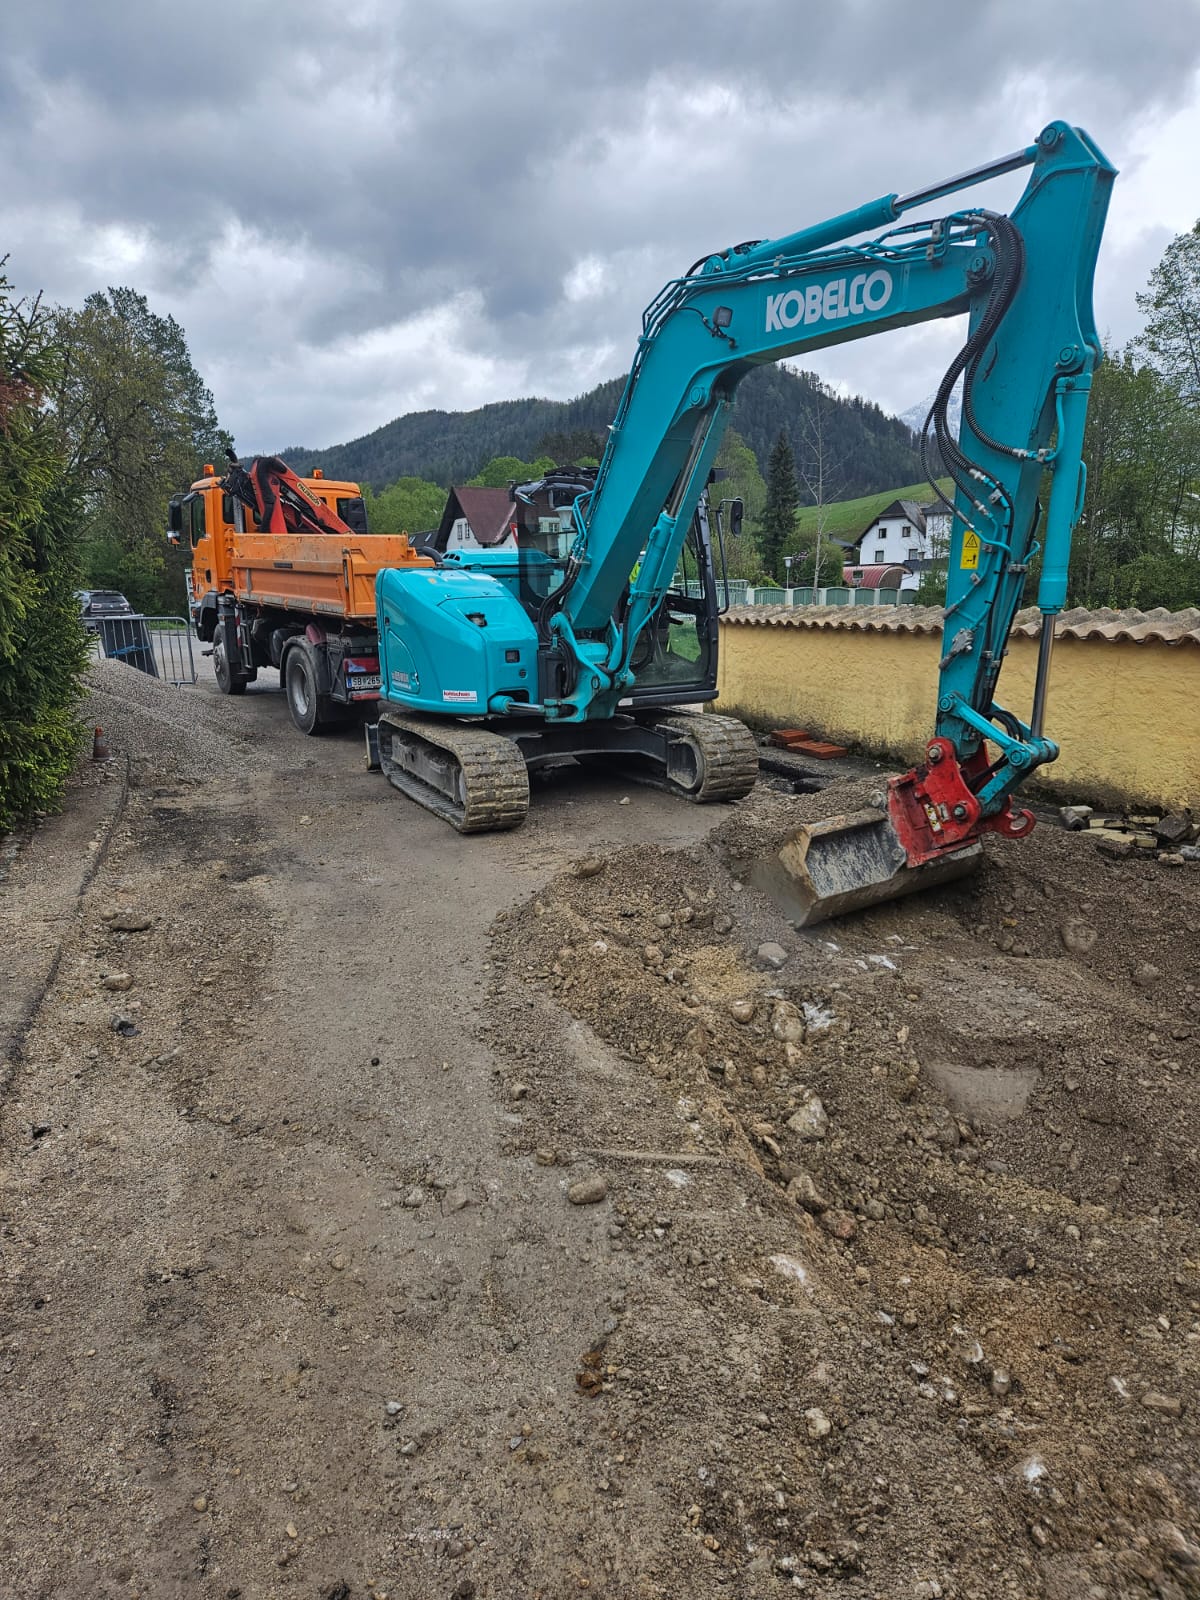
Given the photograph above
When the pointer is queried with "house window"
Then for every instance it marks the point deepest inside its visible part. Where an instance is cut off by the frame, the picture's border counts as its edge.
(914, 554)
(880, 557)
(906, 530)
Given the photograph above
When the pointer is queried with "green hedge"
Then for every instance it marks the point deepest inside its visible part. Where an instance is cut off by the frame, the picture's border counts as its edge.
(42, 642)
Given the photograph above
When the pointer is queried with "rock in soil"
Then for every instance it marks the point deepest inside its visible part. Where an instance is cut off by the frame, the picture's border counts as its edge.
(587, 1191)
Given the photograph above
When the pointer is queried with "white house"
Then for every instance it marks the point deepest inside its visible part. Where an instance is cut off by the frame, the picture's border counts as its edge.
(905, 534)
(478, 519)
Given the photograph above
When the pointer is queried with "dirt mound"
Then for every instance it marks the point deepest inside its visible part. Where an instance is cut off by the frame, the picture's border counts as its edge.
(172, 732)
(919, 1209)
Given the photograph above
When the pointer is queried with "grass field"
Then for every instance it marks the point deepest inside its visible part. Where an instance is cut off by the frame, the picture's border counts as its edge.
(846, 519)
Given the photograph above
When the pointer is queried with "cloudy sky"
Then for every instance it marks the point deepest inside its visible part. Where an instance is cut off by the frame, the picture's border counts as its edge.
(358, 208)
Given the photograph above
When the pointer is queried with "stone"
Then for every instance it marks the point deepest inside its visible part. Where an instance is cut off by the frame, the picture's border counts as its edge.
(1075, 817)
(787, 1023)
(393, 1408)
(128, 922)
(652, 956)
(200, 1503)
(415, 1197)
(588, 1191)
(811, 1121)
(772, 955)
(1117, 847)
(545, 1157)
(722, 924)
(840, 1225)
(457, 1198)
(817, 1425)
(1174, 829)
(1146, 975)
(589, 866)
(117, 981)
(1001, 1382)
(1167, 1405)
(1077, 936)
(1190, 852)
(1171, 858)
(518, 1091)
(338, 1263)
(804, 1192)
(742, 1010)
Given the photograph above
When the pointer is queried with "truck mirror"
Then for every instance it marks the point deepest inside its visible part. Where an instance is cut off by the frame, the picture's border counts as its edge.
(174, 517)
(737, 511)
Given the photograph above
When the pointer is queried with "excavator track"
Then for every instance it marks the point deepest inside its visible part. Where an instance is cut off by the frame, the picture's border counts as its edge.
(724, 753)
(475, 780)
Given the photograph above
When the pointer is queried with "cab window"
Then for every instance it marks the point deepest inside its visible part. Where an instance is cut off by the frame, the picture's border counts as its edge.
(193, 513)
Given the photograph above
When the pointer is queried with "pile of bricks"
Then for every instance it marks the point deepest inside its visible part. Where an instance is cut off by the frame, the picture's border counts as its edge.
(802, 743)
(1171, 838)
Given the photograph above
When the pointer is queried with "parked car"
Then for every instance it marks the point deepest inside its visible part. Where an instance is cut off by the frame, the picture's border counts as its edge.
(97, 604)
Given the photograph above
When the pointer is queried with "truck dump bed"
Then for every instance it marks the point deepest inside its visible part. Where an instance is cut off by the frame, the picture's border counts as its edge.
(315, 572)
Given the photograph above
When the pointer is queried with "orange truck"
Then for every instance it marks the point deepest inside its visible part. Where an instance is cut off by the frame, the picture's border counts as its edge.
(283, 575)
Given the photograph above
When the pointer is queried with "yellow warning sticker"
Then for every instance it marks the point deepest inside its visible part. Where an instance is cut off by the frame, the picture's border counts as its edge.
(969, 559)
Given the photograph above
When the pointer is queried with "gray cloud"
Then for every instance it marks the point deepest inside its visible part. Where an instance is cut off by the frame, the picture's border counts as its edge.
(359, 208)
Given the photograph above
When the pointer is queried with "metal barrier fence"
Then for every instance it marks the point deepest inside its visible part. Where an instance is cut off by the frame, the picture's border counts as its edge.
(161, 647)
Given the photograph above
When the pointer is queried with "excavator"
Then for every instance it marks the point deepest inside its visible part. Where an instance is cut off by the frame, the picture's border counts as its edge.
(499, 661)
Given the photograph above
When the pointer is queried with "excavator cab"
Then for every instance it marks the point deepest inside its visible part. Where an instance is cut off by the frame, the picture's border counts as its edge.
(676, 655)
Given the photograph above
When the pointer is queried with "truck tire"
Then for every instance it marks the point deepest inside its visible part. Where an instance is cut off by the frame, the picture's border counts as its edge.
(311, 711)
(228, 681)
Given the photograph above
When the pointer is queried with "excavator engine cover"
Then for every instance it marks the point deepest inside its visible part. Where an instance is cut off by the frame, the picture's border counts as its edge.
(846, 863)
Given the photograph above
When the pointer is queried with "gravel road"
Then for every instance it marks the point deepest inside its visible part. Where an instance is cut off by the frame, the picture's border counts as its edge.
(392, 1214)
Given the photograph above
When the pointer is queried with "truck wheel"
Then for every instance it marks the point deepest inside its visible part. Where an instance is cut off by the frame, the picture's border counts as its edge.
(228, 681)
(311, 711)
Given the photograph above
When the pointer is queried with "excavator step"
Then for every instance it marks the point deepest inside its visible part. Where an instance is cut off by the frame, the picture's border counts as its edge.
(473, 779)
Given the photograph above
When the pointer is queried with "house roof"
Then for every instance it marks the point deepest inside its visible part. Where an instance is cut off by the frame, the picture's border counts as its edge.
(489, 512)
(873, 576)
(898, 508)
(1159, 626)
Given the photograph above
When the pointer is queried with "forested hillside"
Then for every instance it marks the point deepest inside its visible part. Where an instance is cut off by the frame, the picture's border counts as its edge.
(863, 449)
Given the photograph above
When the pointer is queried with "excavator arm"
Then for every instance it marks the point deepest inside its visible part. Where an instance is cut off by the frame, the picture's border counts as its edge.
(1024, 281)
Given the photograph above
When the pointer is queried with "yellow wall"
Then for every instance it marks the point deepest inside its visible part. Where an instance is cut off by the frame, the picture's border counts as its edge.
(1126, 716)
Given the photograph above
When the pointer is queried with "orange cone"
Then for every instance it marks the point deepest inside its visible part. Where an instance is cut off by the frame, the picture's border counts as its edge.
(100, 750)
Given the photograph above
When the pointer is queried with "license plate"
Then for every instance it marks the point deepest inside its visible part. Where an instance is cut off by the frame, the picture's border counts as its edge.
(363, 680)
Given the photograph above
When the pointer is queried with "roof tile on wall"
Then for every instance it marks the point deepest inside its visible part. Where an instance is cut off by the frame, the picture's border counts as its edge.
(1137, 627)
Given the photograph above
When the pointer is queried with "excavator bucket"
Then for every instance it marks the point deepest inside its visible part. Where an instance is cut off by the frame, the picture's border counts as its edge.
(846, 863)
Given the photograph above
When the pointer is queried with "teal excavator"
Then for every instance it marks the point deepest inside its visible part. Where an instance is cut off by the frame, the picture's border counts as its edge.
(575, 638)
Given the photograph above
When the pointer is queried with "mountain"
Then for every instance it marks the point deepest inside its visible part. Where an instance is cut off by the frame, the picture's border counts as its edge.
(865, 449)
(915, 416)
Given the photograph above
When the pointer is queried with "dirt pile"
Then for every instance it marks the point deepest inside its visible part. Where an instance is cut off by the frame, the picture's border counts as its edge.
(167, 731)
(912, 1221)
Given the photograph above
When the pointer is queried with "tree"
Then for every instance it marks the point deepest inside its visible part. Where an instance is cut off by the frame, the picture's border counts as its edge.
(1139, 541)
(779, 514)
(1171, 305)
(410, 505)
(503, 470)
(822, 476)
(573, 447)
(139, 423)
(42, 644)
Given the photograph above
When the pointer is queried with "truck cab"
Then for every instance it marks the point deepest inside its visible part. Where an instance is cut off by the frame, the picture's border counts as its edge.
(211, 520)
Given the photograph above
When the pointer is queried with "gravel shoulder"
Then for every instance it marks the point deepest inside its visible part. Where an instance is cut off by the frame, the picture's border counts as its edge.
(386, 1213)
